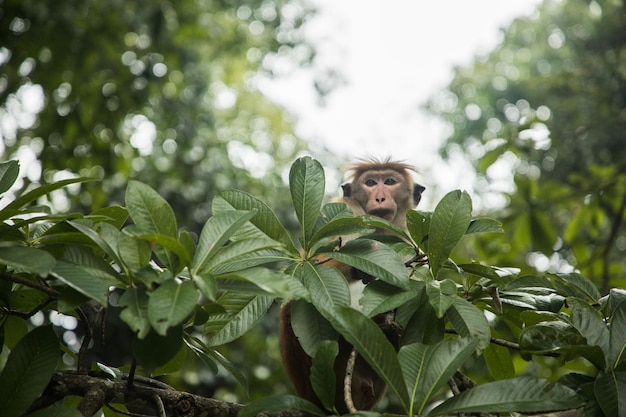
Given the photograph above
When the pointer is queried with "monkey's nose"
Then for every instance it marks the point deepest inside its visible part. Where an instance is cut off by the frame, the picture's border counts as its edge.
(380, 200)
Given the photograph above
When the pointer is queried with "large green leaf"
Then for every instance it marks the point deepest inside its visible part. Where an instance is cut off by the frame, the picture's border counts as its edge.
(215, 233)
(522, 395)
(441, 295)
(88, 279)
(310, 327)
(449, 223)
(484, 226)
(610, 391)
(242, 254)
(170, 304)
(576, 285)
(328, 287)
(469, 321)
(243, 312)
(9, 171)
(135, 313)
(370, 342)
(590, 324)
(379, 297)
(28, 370)
(278, 403)
(427, 368)
(105, 237)
(499, 361)
(153, 215)
(323, 376)
(264, 224)
(306, 183)
(374, 258)
(270, 282)
(418, 224)
(27, 259)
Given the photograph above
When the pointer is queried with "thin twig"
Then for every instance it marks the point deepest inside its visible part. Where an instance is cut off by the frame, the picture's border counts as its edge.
(51, 292)
(347, 382)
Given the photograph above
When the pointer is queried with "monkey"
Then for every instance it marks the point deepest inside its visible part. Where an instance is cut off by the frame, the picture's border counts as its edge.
(381, 188)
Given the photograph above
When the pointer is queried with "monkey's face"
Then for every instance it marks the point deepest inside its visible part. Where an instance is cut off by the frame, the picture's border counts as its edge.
(382, 193)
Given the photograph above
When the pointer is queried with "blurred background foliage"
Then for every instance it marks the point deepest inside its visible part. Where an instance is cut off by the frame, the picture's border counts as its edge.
(542, 120)
(164, 92)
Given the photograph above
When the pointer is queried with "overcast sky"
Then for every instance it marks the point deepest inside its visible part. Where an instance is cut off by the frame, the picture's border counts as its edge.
(394, 55)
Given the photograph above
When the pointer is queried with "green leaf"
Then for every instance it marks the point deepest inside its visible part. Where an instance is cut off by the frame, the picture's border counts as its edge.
(34, 194)
(617, 342)
(441, 295)
(152, 215)
(484, 226)
(380, 297)
(610, 391)
(310, 327)
(28, 370)
(323, 376)
(576, 285)
(170, 304)
(243, 254)
(115, 215)
(469, 321)
(371, 343)
(135, 313)
(449, 223)
(427, 368)
(374, 258)
(522, 395)
(418, 224)
(341, 226)
(215, 233)
(106, 237)
(263, 225)
(306, 183)
(271, 282)
(134, 252)
(243, 312)
(9, 171)
(590, 324)
(90, 280)
(499, 361)
(278, 403)
(27, 259)
(328, 286)
(156, 350)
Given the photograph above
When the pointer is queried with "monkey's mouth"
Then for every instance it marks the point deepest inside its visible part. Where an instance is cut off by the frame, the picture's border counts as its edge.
(384, 213)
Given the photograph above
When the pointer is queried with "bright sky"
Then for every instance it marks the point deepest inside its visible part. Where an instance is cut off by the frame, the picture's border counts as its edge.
(394, 54)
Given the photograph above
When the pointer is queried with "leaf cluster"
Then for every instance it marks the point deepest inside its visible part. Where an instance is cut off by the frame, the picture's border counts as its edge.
(182, 295)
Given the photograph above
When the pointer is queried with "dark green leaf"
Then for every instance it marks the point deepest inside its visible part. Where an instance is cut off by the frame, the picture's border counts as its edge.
(28, 370)
(499, 361)
(590, 324)
(91, 281)
(152, 215)
(427, 368)
(323, 376)
(610, 390)
(373, 258)
(522, 394)
(215, 233)
(9, 171)
(310, 327)
(170, 304)
(27, 259)
(263, 225)
(576, 285)
(271, 282)
(469, 321)
(243, 312)
(371, 343)
(135, 313)
(441, 295)
(484, 226)
(418, 224)
(449, 223)
(328, 287)
(306, 183)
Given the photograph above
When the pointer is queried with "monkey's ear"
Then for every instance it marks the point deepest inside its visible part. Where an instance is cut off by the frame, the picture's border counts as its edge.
(347, 189)
(417, 193)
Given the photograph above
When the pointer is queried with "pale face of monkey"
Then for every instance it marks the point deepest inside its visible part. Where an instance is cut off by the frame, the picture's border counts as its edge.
(382, 193)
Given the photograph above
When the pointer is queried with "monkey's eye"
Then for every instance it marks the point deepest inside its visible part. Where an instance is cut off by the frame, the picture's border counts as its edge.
(390, 181)
(370, 182)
